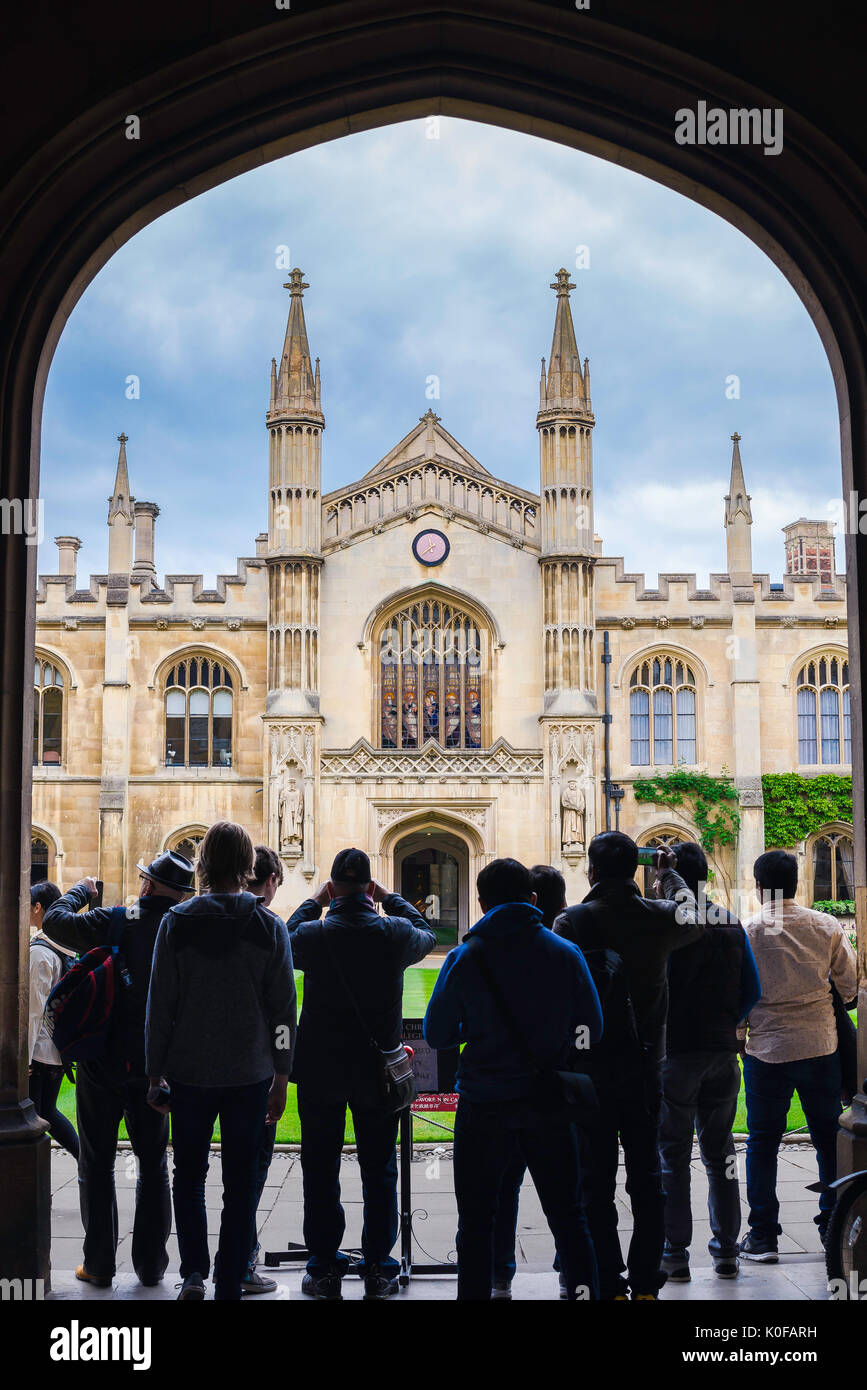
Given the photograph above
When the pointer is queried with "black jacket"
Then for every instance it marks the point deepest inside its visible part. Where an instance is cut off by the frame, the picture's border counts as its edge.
(706, 988)
(81, 931)
(333, 1050)
(643, 932)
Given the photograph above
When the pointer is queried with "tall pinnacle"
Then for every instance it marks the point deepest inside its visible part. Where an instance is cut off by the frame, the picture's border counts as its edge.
(564, 389)
(737, 498)
(297, 386)
(120, 503)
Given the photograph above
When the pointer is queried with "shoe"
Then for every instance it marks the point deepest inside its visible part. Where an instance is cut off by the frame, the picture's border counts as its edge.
(728, 1268)
(325, 1287)
(379, 1285)
(257, 1283)
(644, 1298)
(192, 1289)
(763, 1251)
(676, 1269)
(620, 1298)
(82, 1274)
(147, 1279)
(501, 1289)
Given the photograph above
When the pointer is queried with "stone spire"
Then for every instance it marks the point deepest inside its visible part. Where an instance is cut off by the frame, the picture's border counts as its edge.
(564, 388)
(121, 517)
(298, 389)
(737, 500)
(738, 524)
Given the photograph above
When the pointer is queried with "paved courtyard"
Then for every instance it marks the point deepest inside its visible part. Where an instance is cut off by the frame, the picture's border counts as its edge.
(799, 1276)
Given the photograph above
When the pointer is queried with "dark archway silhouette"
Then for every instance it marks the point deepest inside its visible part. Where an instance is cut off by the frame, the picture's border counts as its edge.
(220, 89)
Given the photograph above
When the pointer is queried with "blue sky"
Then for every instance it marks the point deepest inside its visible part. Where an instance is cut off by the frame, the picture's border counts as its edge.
(433, 256)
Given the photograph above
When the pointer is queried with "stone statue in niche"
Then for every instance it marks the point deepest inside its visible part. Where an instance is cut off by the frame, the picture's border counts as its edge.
(573, 808)
(290, 811)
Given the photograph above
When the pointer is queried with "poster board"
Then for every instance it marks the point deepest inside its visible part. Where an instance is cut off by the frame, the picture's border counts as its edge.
(434, 1070)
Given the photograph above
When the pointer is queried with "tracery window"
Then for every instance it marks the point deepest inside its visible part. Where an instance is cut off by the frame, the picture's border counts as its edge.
(199, 708)
(430, 668)
(662, 712)
(48, 688)
(833, 867)
(824, 713)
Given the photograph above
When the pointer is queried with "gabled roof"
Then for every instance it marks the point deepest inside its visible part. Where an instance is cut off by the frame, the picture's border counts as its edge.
(427, 441)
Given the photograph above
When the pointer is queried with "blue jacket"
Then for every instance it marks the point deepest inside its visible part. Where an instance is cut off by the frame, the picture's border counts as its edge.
(545, 981)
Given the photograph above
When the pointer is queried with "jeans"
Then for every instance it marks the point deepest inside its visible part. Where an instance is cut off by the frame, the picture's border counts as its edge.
(769, 1089)
(489, 1138)
(506, 1221)
(263, 1163)
(323, 1121)
(241, 1111)
(700, 1092)
(103, 1099)
(630, 1111)
(45, 1083)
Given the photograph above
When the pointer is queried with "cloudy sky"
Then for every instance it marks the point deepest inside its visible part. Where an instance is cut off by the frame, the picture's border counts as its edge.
(432, 257)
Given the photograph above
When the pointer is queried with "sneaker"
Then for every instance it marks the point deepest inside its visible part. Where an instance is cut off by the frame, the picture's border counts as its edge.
(644, 1298)
(754, 1248)
(727, 1268)
(378, 1284)
(676, 1269)
(82, 1274)
(501, 1288)
(192, 1289)
(325, 1287)
(148, 1279)
(257, 1283)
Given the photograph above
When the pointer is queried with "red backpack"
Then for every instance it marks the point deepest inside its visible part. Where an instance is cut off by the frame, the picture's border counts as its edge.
(79, 1011)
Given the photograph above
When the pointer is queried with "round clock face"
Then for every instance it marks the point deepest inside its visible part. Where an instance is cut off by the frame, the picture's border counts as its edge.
(430, 547)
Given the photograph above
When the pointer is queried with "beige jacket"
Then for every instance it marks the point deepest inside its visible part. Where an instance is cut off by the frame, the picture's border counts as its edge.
(797, 951)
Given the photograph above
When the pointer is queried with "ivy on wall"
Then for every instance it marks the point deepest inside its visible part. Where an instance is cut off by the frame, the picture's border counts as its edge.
(796, 807)
(713, 802)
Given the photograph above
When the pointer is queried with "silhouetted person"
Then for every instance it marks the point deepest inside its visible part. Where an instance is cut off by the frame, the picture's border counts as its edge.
(114, 1087)
(354, 959)
(546, 986)
(642, 932)
(48, 962)
(712, 985)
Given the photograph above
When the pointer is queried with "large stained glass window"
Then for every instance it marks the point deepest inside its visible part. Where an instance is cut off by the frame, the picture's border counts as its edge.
(430, 658)
(662, 728)
(824, 719)
(199, 714)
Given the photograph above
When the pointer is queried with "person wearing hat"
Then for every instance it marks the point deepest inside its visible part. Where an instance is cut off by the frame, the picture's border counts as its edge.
(114, 1087)
(335, 1064)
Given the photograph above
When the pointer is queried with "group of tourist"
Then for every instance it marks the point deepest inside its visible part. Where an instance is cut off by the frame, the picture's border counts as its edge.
(613, 1023)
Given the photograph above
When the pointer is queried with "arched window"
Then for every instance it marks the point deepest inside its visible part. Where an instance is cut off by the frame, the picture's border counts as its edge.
(188, 844)
(662, 712)
(430, 663)
(199, 714)
(658, 839)
(824, 717)
(41, 857)
(833, 867)
(48, 690)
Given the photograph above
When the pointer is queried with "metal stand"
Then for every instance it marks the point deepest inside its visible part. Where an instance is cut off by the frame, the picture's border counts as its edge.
(407, 1268)
(273, 1259)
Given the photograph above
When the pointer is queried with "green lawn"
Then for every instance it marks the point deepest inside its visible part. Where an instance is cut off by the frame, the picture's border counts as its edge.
(417, 990)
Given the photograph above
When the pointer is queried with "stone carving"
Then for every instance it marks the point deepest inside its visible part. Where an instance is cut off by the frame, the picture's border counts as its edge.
(290, 812)
(70, 624)
(162, 624)
(789, 621)
(432, 762)
(233, 624)
(697, 620)
(573, 805)
(197, 624)
(832, 620)
(663, 622)
(627, 624)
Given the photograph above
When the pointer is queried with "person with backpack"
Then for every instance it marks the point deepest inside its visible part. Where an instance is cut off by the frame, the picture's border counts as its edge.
(48, 963)
(712, 986)
(641, 933)
(521, 1000)
(112, 1086)
(353, 966)
(218, 1042)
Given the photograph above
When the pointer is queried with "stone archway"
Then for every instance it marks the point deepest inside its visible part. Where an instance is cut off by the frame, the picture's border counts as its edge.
(252, 91)
(432, 871)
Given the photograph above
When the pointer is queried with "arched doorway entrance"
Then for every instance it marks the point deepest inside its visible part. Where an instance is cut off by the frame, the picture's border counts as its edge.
(431, 870)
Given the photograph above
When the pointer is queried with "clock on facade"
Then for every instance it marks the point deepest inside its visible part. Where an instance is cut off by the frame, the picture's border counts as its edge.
(430, 547)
